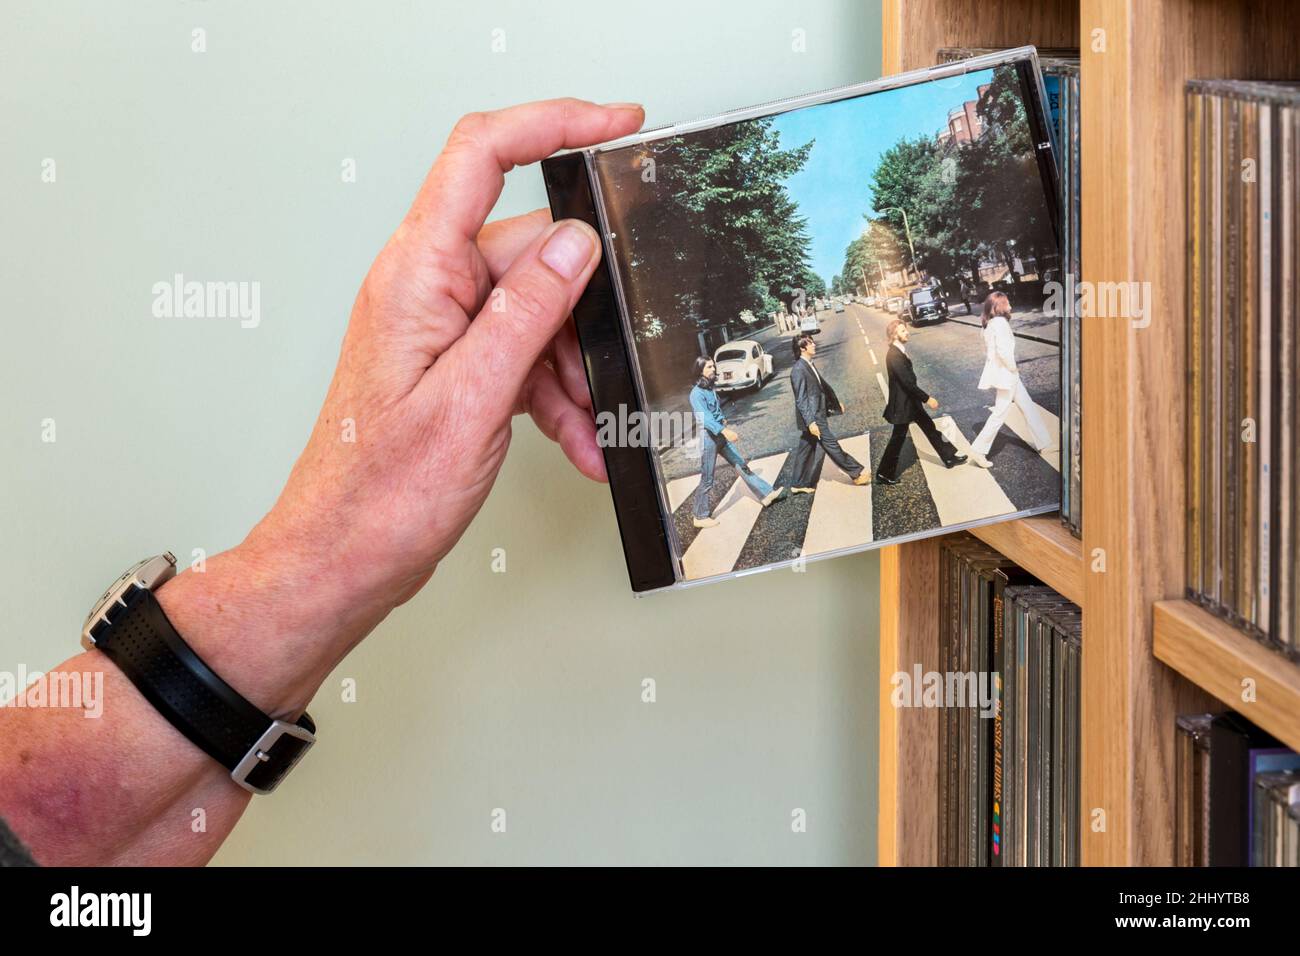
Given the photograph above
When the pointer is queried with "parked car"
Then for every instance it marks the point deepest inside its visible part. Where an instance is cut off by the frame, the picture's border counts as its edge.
(741, 364)
(926, 305)
(839, 306)
(808, 325)
(894, 304)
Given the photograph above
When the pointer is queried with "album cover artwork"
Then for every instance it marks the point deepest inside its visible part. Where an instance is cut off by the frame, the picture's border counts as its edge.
(825, 324)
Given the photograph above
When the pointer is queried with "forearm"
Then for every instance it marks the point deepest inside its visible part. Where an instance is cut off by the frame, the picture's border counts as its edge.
(412, 434)
(123, 787)
(713, 424)
(916, 391)
(807, 409)
(118, 789)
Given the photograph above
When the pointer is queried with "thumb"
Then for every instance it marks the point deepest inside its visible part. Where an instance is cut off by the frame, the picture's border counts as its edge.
(526, 310)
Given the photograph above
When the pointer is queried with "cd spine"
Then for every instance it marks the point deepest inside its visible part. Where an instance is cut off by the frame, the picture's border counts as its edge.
(614, 397)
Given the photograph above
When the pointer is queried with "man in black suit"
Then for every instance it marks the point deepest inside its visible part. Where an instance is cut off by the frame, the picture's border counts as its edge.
(813, 398)
(906, 404)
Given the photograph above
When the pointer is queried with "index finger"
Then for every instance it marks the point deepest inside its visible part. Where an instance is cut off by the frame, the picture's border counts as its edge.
(466, 180)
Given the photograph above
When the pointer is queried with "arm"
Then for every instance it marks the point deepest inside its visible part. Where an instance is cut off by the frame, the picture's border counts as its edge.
(360, 526)
(805, 399)
(905, 376)
(832, 400)
(1005, 343)
(706, 418)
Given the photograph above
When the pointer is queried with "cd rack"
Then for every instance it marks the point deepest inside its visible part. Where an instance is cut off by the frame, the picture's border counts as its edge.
(1149, 654)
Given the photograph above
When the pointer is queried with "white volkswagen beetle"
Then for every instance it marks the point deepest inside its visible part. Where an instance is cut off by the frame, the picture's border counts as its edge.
(741, 364)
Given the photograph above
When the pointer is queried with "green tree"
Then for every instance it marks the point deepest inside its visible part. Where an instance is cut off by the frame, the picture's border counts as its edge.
(898, 186)
(709, 228)
(814, 286)
(876, 251)
(1002, 187)
(965, 202)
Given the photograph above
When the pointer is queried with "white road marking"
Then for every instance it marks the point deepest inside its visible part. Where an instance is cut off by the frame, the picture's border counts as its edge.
(679, 489)
(1015, 420)
(962, 493)
(715, 550)
(841, 511)
(884, 389)
(872, 353)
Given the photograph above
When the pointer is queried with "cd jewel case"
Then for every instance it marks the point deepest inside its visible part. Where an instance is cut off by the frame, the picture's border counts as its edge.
(827, 323)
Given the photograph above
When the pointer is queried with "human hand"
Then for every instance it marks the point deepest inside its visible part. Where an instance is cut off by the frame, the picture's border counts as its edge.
(730, 434)
(932, 402)
(457, 327)
(814, 430)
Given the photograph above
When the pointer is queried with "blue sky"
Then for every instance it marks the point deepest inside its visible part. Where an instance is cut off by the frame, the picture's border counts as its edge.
(834, 189)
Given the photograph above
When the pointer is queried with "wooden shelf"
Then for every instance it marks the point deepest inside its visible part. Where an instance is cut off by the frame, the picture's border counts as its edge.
(1217, 658)
(1135, 58)
(1043, 546)
(907, 832)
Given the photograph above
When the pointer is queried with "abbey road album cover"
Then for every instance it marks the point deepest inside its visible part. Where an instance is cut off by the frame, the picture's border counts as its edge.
(825, 324)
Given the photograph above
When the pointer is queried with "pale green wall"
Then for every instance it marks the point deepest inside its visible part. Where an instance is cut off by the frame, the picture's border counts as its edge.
(519, 690)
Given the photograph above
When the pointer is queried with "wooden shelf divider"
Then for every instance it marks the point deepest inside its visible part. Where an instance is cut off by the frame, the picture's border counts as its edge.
(1043, 544)
(1135, 57)
(1217, 657)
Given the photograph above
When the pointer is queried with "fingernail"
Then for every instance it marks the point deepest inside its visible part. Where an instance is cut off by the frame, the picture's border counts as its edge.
(569, 249)
(622, 106)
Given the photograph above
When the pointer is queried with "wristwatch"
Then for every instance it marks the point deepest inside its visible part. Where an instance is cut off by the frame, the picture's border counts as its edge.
(129, 626)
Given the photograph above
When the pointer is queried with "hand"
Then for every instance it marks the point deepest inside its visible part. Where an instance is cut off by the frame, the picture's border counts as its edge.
(814, 430)
(730, 434)
(932, 402)
(457, 327)
(843, 408)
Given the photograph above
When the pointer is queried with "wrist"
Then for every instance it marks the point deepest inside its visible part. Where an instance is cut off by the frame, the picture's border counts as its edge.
(271, 621)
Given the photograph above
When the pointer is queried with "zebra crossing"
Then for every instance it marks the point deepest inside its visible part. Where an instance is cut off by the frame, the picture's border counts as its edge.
(842, 514)
(841, 511)
(720, 546)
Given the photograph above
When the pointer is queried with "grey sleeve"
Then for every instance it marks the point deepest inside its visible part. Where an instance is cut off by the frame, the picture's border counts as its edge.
(12, 852)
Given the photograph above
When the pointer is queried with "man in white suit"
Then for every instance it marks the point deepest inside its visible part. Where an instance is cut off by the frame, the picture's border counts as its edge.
(1001, 374)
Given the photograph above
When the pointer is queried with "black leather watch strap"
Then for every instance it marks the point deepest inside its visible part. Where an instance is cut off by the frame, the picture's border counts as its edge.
(141, 641)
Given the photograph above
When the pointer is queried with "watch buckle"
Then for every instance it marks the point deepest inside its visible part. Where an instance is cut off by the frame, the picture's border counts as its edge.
(259, 753)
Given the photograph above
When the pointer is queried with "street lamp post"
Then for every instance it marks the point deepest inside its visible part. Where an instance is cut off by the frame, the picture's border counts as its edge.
(908, 230)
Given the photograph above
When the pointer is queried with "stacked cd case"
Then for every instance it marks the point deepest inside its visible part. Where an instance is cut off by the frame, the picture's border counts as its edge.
(1237, 794)
(1060, 68)
(1243, 170)
(1276, 836)
(1009, 757)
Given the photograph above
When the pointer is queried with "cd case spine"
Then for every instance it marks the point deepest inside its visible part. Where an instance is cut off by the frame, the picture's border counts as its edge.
(607, 355)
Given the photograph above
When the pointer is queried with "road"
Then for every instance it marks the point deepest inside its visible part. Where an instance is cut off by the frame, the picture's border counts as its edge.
(948, 358)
